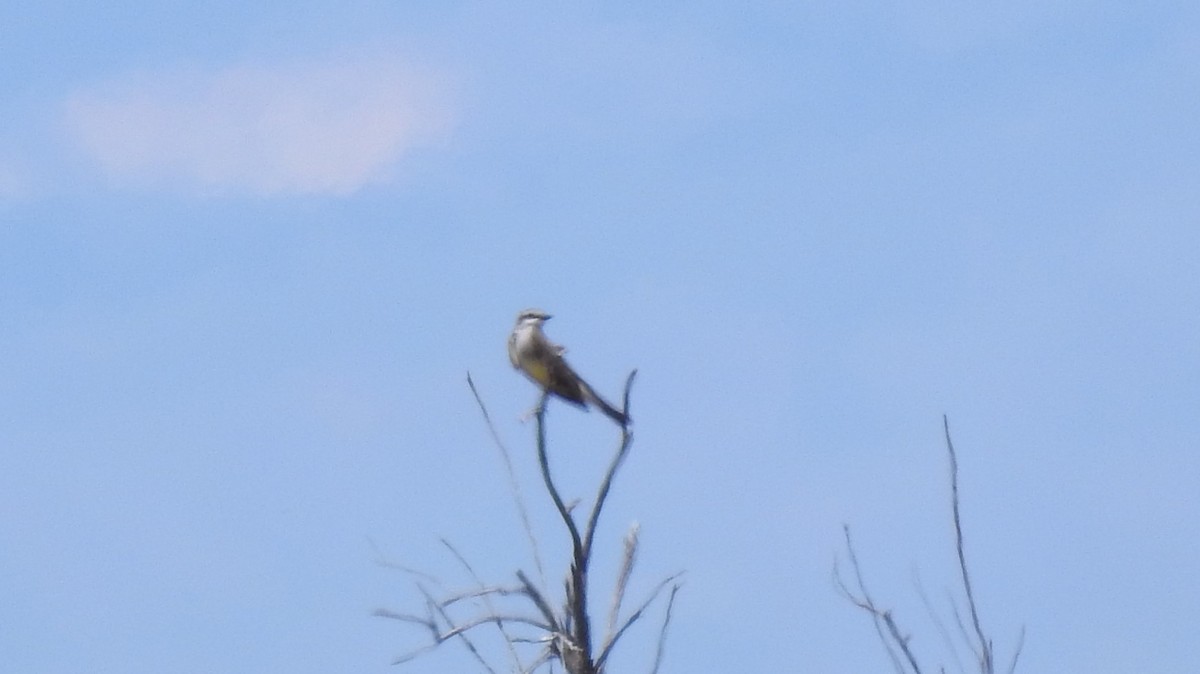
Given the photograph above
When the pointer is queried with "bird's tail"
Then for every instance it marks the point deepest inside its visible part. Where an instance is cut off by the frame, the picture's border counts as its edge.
(612, 412)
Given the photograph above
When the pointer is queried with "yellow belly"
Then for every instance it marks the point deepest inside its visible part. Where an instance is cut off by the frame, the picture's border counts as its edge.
(536, 371)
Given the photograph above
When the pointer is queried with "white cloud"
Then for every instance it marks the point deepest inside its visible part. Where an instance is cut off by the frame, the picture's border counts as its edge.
(325, 128)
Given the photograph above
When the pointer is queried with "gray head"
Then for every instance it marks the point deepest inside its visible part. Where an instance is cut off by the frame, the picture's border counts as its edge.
(532, 317)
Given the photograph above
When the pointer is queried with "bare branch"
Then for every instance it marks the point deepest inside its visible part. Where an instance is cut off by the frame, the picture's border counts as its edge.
(604, 653)
(489, 619)
(662, 632)
(539, 601)
(383, 561)
(544, 463)
(403, 617)
(438, 609)
(967, 621)
(513, 484)
(865, 603)
(627, 561)
(985, 647)
(606, 484)
(431, 623)
(878, 616)
(574, 649)
(1012, 667)
(938, 623)
(565, 633)
(461, 632)
(408, 657)
(625, 394)
(480, 593)
(577, 589)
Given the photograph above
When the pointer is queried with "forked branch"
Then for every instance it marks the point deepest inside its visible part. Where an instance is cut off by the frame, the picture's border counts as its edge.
(564, 635)
(894, 641)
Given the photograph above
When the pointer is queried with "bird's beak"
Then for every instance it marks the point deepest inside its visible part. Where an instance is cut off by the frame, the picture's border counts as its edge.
(546, 317)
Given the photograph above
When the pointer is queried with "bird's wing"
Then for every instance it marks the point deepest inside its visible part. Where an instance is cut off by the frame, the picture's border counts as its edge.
(512, 350)
(557, 377)
(563, 382)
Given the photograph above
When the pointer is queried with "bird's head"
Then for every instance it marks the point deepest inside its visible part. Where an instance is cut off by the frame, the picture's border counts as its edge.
(532, 317)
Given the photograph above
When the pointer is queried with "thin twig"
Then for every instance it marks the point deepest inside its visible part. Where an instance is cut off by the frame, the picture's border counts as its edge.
(513, 484)
(540, 602)
(461, 632)
(1012, 667)
(938, 623)
(480, 593)
(985, 648)
(606, 483)
(662, 632)
(867, 605)
(383, 561)
(962, 626)
(403, 617)
(413, 655)
(457, 629)
(487, 603)
(878, 615)
(544, 463)
(627, 562)
(634, 617)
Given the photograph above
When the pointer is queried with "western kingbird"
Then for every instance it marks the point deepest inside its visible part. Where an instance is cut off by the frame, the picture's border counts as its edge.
(541, 360)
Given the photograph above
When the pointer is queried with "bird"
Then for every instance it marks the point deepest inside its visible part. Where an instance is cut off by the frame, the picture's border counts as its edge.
(541, 360)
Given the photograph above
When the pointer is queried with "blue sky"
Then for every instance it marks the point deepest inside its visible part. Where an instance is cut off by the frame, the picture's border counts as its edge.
(248, 255)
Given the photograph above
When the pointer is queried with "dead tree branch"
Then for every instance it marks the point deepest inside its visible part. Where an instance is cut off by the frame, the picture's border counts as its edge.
(636, 615)
(983, 649)
(627, 562)
(513, 485)
(885, 624)
(566, 635)
(897, 644)
(662, 632)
